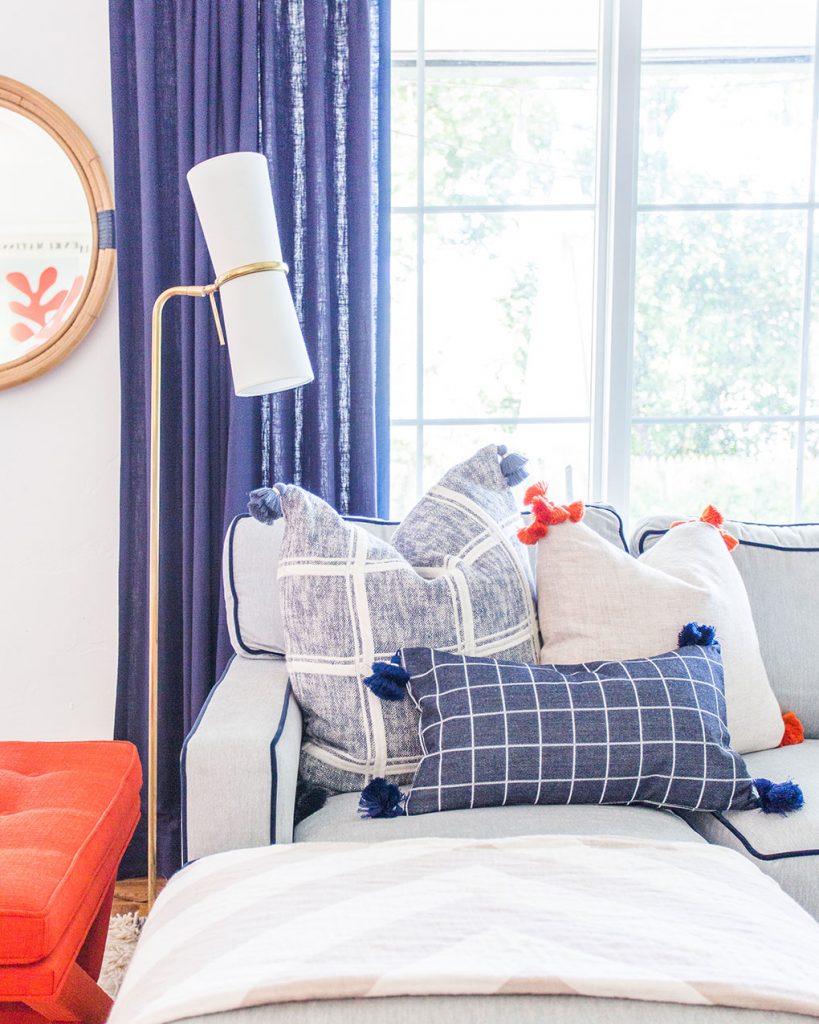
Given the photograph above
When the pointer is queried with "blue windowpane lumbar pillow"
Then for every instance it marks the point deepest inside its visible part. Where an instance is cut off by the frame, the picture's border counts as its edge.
(648, 731)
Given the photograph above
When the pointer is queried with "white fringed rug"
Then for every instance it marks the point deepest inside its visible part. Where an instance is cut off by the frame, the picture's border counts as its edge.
(123, 933)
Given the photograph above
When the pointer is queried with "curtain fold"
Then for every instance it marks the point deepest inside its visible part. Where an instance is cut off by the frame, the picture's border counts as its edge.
(185, 87)
(324, 112)
(305, 82)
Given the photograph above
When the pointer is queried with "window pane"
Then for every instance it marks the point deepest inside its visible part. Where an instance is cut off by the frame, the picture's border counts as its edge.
(694, 24)
(403, 26)
(810, 489)
(718, 311)
(507, 314)
(725, 133)
(726, 101)
(403, 317)
(507, 136)
(558, 453)
(521, 25)
(746, 470)
(404, 137)
(812, 374)
(403, 463)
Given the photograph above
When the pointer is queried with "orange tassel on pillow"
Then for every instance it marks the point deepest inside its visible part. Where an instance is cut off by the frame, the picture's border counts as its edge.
(794, 730)
(536, 490)
(531, 534)
(714, 518)
(546, 514)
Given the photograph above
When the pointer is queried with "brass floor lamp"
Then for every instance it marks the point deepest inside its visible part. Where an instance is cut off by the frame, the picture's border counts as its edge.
(234, 202)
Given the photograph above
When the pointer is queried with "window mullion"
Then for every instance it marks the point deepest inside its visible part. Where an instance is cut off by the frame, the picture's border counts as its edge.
(808, 289)
(420, 85)
(616, 228)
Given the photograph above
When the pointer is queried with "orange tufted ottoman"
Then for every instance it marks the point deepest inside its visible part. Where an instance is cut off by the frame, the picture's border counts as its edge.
(67, 813)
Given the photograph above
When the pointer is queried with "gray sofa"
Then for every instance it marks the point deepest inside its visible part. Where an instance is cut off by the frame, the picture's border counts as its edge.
(240, 761)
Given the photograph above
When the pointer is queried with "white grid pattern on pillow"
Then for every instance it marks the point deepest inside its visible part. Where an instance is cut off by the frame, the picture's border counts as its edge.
(648, 731)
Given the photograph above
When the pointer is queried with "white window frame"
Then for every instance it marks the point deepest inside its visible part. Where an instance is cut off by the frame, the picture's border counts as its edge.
(616, 209)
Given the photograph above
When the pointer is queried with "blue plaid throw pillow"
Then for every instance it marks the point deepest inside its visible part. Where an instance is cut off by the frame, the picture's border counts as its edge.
(648, 731)
(453, 577)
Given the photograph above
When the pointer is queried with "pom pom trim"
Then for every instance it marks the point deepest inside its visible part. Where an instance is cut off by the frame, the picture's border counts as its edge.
(389, 680)
(695, 635)
(381, 799)
(713, 517)
(265, 505)
(778, 797)
(794, 730)
(547, 514)
(513, 467)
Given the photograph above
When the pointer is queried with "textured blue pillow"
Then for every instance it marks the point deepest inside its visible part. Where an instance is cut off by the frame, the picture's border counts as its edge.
(648, 731)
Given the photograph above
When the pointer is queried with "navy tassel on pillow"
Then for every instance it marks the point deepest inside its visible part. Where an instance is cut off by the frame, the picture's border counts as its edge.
(513, 466)
(779, 797)
(265, 505)
(695, 635)
(389, 680)
(381, 799)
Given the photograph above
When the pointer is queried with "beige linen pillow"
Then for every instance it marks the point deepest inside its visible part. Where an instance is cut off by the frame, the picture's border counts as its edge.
(597, 603)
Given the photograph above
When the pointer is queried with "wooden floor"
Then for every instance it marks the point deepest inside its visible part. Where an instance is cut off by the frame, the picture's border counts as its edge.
(131, 896)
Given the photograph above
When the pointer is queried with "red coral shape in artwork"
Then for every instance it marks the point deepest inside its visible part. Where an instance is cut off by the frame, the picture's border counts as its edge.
(46, 314)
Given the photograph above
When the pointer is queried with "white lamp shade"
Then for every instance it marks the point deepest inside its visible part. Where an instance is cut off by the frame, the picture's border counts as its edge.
(235, 205)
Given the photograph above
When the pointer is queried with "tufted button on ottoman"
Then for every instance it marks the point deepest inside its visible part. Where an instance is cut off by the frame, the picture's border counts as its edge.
(67, 813)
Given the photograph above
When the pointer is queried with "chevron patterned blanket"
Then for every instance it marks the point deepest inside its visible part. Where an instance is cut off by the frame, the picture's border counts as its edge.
(599, 916)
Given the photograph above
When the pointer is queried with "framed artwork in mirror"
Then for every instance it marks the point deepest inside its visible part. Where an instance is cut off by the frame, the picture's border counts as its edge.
(57, 246)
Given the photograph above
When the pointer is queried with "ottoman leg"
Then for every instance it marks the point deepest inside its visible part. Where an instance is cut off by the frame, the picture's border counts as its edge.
(79, 1000)
(90, 956)
(18, 1013)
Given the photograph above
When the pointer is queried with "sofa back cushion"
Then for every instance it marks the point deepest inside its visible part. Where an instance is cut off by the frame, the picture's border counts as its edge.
(250, 572)
(780, 568)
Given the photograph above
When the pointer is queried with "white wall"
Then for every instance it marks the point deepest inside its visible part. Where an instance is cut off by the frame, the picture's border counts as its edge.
(59, 442)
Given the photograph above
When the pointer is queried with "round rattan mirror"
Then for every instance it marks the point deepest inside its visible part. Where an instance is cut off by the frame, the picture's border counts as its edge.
(56, 234)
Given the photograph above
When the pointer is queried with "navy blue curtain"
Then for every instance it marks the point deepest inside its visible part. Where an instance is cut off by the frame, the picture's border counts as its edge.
(324, 110)
(306, 82)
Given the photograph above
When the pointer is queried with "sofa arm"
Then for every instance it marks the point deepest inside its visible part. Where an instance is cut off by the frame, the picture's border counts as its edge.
(240, 762)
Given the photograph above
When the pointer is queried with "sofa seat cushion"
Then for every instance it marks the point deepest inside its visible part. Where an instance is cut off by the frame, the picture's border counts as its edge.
(786, 848)
(338, 821)
(67, 811)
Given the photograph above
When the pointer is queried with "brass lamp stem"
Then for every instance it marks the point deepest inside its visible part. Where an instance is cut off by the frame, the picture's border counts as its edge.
(197, 291)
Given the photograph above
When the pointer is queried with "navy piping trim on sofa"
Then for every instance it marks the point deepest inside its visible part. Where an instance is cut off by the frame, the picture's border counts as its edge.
(749, 522)
(235, 596)
(745, 543)
(232, 578)
(183, 760)
(348, 519)
(274, 771)
(620, 525)
(754, 852)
